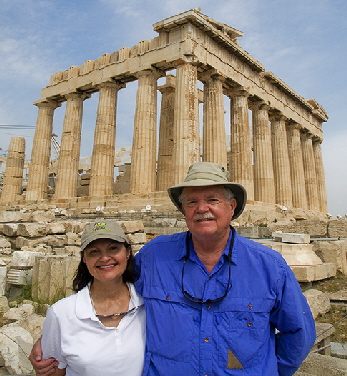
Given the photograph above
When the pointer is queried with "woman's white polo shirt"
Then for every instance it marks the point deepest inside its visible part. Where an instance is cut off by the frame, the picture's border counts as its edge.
(74, 336)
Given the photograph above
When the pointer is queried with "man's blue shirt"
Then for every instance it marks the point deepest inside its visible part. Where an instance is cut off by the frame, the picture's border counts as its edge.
(233, 336)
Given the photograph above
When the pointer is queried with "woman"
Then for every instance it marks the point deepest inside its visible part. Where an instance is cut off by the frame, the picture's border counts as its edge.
(101, 329)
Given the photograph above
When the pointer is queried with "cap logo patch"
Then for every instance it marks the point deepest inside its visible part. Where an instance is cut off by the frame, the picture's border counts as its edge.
(99, 226)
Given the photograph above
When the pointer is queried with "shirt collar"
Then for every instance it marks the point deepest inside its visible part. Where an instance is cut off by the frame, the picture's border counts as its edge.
(84, 306)
(183, 249)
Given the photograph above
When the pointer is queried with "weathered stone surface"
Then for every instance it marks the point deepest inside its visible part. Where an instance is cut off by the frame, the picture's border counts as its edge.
(4, 307)
(31, 230)
(43, 248)
(19, 313)
(282, 226)
(137, 238)
(56, 228)
(291, 237)
(337, 228)
(318, 301)
(10, 216)
(317, 228)
(15, 347)
(132, 226)
(10, 229)
(73, 239)
(314, 272)
(53, 241)
(74, 226)
(332, 252)
(294, 254)
(33, 324)
(4, 243)
(25, 258)
(43, 216)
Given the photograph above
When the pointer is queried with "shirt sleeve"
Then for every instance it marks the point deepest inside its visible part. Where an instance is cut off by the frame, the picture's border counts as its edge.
(293, 319)
(51, 339)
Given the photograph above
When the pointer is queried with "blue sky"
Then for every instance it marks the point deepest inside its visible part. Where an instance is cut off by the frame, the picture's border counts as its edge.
(303, 42)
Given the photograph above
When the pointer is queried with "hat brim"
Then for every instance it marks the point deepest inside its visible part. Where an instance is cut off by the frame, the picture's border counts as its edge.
(238, 190)
(117, 238)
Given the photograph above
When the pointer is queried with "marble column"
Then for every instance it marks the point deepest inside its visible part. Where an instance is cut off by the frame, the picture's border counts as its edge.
(241, 169)
(13, 180)
(283, 184)
(69, 156)
(214, 139)
(102, 162)
(41, 152)
(186, 123)
(143, 156)
(296, 165)
(165, 150)
(322, 194)
(309, 171)
(264, 183)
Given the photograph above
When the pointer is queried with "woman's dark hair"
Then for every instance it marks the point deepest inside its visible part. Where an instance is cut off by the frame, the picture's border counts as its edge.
(83, 277)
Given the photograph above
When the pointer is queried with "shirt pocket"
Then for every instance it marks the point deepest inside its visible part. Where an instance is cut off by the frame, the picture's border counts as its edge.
(170, 325)
(244, 333)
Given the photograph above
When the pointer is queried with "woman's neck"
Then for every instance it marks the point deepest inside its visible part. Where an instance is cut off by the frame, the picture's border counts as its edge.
(108, 290)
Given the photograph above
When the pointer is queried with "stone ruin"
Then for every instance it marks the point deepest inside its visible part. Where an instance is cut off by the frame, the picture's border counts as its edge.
(278, 158)
(274, 151)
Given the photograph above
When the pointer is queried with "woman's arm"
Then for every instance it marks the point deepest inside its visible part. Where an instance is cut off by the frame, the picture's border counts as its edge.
(42, 367)
(57, 372)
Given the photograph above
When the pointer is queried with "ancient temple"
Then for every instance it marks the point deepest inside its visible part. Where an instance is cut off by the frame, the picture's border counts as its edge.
(275, 134)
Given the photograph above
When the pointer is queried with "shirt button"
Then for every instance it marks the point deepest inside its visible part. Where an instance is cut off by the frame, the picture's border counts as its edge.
(206, 339)
(249, 324)
(250, 306)
(208, 307)
(167, 297)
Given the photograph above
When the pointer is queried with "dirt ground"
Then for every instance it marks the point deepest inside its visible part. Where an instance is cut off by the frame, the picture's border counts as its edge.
(338, 312)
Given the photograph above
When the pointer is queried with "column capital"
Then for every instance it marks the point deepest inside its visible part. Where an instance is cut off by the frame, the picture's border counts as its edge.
(111, 84)
(237, 92)
(170, 84)
(292, 125)
(259, 105)
(47, 103)
(186, 59)
(317, 139)
(211, 74)
(76, 95)
(156, 73)
(276, 116)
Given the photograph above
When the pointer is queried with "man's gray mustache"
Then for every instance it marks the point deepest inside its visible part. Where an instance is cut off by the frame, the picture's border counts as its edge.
(199, 217)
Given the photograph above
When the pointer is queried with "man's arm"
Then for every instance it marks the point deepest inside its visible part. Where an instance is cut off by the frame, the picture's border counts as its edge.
(293, 319)
(41, 366)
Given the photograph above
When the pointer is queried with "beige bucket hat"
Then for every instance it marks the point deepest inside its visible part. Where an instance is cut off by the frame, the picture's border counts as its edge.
(206, 174)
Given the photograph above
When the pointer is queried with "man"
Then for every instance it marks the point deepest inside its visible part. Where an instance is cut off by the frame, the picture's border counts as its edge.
(218, 303)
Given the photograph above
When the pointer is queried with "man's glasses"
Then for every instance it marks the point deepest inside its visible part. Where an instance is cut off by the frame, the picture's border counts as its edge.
(194, 299)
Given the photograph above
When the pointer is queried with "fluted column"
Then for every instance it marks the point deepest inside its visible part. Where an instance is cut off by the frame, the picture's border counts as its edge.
(186, 124)
(68, 162)
(264, 183)
(143, 157)
(165, 150)
(241, 169)
(283, 185)
(41, 152)
(102, 163)
(322, 194)
(214, 139)
(309, 171)
(296, 166)
(13, 180)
